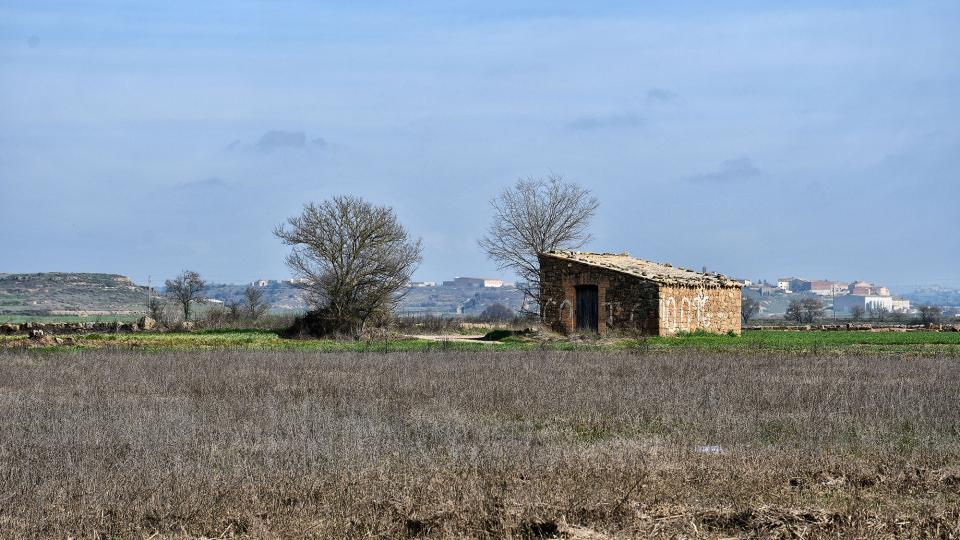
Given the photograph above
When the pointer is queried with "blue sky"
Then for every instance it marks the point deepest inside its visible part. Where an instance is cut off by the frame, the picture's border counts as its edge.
(819, 139)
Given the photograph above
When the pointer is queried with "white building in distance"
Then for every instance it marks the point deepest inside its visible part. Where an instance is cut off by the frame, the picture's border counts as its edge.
(473, 282)
(843, 304)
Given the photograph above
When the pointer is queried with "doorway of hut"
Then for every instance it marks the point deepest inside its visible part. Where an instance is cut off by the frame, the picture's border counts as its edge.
(588, 308)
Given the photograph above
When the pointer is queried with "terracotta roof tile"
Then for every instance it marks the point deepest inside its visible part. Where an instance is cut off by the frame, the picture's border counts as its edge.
(663, 273)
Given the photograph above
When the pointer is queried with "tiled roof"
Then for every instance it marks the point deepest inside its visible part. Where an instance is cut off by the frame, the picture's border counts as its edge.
(657, 272)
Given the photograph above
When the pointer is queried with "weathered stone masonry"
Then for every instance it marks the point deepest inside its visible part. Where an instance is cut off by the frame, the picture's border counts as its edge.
(637, 296)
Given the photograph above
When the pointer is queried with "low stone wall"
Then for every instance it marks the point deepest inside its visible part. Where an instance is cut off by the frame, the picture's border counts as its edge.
(145, 323)
(860, 327)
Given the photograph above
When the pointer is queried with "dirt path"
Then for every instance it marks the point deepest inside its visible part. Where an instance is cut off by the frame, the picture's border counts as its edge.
(452, 337)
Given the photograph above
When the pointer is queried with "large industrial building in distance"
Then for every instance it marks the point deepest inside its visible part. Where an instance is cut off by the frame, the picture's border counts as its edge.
(473, 282)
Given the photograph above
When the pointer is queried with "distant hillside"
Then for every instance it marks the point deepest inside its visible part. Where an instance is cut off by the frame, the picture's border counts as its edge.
(280, 295)
(449, 300)
(60, 292)
(441, 300)
(935, 296)
(771, 305)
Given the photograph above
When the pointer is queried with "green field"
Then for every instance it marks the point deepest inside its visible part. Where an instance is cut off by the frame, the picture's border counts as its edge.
(763, 340)
(816, 341)
(20, 319)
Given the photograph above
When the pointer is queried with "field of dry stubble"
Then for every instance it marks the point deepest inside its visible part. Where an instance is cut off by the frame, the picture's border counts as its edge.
(481, 444)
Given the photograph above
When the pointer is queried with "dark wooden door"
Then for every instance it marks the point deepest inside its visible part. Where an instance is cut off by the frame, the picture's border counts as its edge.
(588, 308)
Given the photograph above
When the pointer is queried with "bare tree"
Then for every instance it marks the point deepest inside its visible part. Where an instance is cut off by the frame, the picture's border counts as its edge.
(533, 216)
(155, 308)
(856, 312)
(794, 311)
(812, 309)
(749, 307)
(929, 314)
(497, 312)
(254, 303)
(354, 259)
(878, 311)
(235, 310)
(185, 290)
(804, 311)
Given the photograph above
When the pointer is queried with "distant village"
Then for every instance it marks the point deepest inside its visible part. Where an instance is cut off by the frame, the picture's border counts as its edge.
(842, 298)
(464, 282)
(466, 296)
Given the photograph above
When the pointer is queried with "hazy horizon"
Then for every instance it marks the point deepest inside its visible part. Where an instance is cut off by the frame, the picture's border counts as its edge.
(812, 139)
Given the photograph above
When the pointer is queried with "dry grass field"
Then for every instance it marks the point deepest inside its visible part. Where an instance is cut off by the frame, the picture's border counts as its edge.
(901, 344)
(582, 444)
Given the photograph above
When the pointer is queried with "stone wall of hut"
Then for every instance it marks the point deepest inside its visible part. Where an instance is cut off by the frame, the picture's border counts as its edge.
(634, 305)
(688, 308)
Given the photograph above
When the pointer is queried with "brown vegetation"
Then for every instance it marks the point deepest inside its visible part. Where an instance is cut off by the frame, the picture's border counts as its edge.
(804, 311)
(185, 290)
(586, 445)
(439, 324)
(533, 216)
(353, 260)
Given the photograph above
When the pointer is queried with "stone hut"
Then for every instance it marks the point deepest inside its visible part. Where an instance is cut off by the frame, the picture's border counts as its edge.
(600, 292)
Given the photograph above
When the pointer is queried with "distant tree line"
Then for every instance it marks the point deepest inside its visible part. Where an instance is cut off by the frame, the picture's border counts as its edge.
(182, 294)
(811, 310)
(353, 260)
(804, 311)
